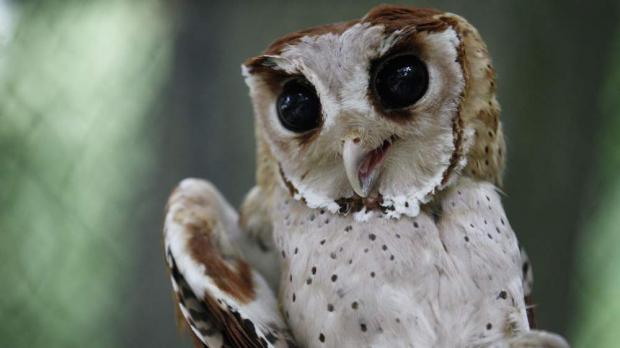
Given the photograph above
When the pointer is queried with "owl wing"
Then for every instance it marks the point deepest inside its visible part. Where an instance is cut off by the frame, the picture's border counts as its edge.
(528, 283)
(222, 298)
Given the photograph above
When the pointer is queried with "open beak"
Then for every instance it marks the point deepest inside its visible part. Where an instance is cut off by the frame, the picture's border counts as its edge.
(363, 167)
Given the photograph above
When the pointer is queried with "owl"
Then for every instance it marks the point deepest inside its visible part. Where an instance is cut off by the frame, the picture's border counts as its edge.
(376, 220)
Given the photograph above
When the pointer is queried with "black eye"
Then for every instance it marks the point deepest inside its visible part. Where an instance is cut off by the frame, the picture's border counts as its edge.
(400, 81)
(299, 108)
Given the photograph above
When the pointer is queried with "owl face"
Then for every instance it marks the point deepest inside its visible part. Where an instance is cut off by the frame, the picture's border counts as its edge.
(365, 116)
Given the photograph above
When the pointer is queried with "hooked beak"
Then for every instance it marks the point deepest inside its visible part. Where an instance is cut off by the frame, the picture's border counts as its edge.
(361, 166)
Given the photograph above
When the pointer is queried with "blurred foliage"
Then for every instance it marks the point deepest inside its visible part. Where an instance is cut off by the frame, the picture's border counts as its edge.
(77, 81)
(597, 284)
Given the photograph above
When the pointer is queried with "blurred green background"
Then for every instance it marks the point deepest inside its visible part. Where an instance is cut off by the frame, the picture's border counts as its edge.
(106, 104)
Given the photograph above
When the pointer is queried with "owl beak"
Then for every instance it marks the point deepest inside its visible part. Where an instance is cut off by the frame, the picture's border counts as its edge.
(361, 166)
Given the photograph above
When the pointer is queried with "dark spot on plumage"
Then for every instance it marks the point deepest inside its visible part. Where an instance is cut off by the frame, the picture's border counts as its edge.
(489, 235)
(322, 241)
(296, 250)
(466, 238)
(363, 327)
(334, 277)
(489, 326)
(415, 224)
(294, 297)
(309, 281)
(372, 274)
(354, 305)
(330, 307)
(321, 337)
(384, 247)
(313, 270)
(372, 236)
(348, 228)
(391, 257)
(502, 294)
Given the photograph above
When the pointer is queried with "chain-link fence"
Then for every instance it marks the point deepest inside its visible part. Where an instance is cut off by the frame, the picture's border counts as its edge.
(79, 79)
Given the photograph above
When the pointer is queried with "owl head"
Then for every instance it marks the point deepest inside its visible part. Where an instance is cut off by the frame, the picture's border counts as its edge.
(376, 115)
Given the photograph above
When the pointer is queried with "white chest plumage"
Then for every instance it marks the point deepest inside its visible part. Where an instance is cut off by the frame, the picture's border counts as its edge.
(452, 280)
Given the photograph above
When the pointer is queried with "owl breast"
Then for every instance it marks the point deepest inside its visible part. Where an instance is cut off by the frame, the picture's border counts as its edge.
(436, 280)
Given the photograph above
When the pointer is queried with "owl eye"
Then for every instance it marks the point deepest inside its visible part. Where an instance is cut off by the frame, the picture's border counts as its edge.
(299, 108)
(400, 81)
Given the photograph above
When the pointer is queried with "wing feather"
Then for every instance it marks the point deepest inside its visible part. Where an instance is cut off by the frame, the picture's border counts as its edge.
(528, 286)
(224, 301)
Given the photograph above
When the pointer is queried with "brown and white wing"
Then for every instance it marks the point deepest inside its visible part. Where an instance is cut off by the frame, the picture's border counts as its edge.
(223, 300)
